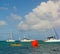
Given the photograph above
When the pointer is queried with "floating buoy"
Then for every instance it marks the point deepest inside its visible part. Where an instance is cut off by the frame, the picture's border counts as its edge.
(35, 43)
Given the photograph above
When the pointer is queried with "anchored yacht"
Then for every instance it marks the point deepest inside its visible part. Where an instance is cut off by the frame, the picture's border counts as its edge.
(10, 40)
(52, 39)
(26, 40)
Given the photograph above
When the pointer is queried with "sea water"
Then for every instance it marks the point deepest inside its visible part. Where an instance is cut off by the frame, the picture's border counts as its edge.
(26, 48)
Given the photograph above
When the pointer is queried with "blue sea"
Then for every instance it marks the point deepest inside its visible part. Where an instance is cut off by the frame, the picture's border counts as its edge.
(26, 48)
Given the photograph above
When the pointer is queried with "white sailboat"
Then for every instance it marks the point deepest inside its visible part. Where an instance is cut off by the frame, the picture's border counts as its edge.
(26, 40)
(10, 40)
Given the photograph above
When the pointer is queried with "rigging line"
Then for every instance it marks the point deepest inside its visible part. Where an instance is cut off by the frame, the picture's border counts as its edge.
(53, 28)
(57, 36)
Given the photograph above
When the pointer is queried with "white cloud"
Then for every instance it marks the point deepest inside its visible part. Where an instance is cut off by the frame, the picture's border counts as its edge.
(23, 26)
(45, 15)
(3, 8)
(32, 19)
(56, 22)
(42, 25)
(15, 17)
(14, 8)
(2, 23)
(54, 0)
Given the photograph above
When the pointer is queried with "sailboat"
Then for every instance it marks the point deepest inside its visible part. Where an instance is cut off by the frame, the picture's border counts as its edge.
(26, 40)
(10, 40)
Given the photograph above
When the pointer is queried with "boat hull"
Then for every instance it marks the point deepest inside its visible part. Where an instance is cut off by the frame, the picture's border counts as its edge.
(10, 40)
(26, 40)
(52, 40)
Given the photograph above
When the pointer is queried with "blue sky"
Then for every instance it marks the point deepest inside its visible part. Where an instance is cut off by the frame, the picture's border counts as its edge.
(31, 18)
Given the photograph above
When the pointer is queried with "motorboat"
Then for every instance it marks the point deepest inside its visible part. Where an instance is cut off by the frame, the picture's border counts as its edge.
(26, 40)
(52, 39)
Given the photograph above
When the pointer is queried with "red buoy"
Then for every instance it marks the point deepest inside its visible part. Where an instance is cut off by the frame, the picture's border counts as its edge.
(34, 43)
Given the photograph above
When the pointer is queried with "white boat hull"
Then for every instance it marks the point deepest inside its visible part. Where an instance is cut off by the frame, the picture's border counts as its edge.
(26, 40)
(53, 40)
(10, 40)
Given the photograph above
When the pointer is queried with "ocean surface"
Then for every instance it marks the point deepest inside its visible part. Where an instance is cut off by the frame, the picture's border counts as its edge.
(26, 48)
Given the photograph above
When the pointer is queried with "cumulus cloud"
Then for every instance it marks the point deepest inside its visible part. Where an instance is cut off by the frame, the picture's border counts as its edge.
(54, 0)
(23, 26)
(3, 8)
(45, 15)
(2, 23)
(15, 17)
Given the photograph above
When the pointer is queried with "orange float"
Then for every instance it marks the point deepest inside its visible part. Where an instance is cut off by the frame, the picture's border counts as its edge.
(35, 43)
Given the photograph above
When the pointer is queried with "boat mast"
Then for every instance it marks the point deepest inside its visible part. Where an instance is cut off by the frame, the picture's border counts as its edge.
(18, 35)
(25, 36)
(11, 35)
(19, 38)
(57, 36)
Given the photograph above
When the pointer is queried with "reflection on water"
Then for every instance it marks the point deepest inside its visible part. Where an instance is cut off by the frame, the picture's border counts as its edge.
(43, 49)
